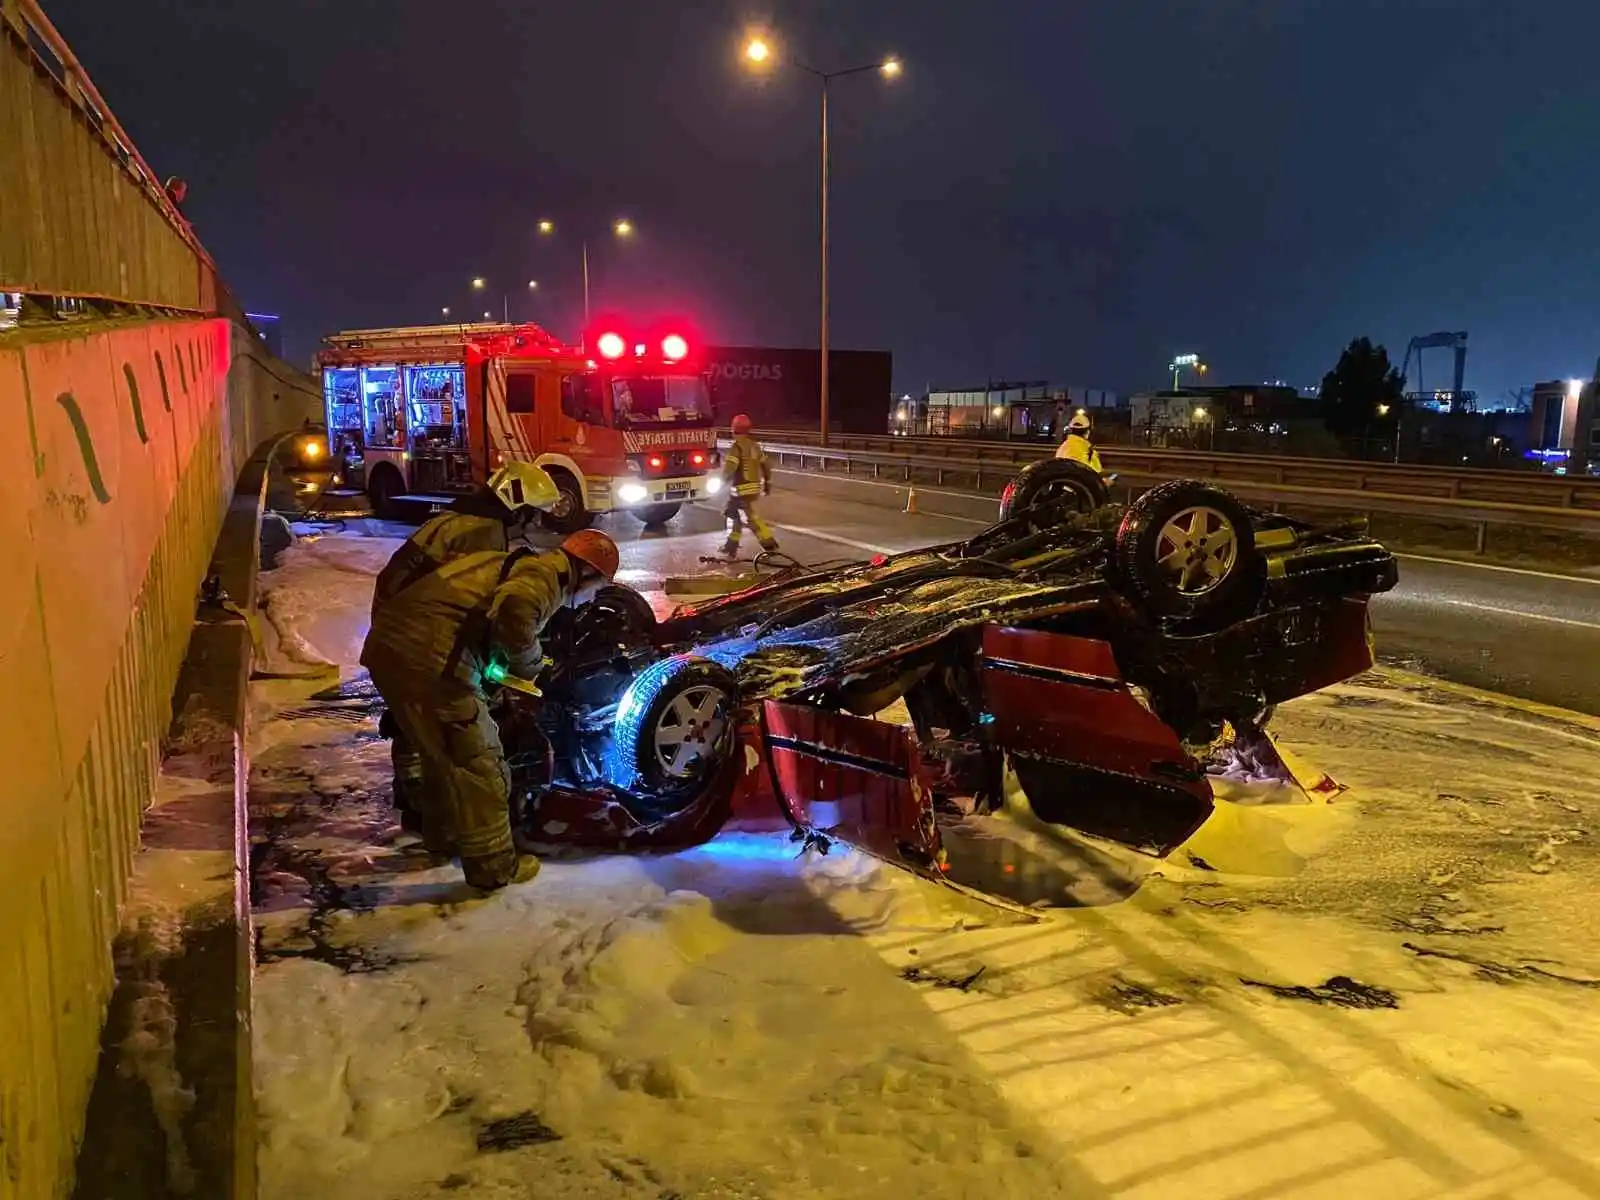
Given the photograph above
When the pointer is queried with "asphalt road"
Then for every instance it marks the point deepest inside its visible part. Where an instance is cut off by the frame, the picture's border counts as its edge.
(1520, 633)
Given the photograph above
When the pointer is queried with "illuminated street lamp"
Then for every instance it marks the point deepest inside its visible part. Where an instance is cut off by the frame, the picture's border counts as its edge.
(621, 228)
(760, 54)
(1383, 410)
(479, 283)
(1192, 361)
(445, 311)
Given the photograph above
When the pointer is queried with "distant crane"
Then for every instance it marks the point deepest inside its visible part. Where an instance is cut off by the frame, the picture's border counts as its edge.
(1457, 398)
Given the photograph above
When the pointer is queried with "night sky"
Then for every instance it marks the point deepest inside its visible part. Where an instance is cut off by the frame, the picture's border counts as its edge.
(1063, 191)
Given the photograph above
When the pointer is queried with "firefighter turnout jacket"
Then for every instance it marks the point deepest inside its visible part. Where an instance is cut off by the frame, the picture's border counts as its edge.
(745, 469)
(1080, 449)
(453, 620)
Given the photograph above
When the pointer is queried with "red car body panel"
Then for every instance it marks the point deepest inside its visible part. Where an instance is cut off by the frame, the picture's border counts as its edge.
(852, 778)
(1085, 751)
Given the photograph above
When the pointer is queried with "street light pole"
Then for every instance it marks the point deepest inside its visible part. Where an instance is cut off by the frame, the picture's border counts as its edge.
(586, 286)
(823, 336)
(759, 52)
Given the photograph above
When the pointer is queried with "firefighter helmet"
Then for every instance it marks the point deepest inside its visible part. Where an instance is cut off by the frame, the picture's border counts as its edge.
(740, 425)
(594, 549)
(522, 485)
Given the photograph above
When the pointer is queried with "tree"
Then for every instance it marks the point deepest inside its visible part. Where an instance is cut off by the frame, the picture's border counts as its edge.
(1363, 387)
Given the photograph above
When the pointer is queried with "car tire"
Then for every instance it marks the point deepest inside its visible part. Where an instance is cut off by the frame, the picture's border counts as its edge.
(676, 726)
(1052, 481)
(382, 488)
(1187, 550)
(636, 610)
(569, 514)
(657, 514)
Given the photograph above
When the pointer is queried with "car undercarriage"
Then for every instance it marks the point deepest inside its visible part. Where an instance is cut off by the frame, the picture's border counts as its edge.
(1093, 653)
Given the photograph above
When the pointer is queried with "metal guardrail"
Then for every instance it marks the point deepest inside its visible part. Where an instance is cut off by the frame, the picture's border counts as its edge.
(82, 214)
(1240, 470)
(982, 475)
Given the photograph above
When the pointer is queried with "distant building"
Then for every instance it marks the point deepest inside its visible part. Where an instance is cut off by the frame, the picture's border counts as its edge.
(1565, 422)
(1028, 410)
(270, 328)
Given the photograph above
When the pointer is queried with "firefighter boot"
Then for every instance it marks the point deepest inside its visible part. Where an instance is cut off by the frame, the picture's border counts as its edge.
(492, 872)
(763, 531)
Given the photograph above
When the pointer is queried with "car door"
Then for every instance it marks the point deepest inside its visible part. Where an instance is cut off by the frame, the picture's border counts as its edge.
(854, 779)
(1086, 753)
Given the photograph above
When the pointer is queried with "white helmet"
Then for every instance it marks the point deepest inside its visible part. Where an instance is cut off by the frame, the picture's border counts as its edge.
(523, 485)
(1079, 423)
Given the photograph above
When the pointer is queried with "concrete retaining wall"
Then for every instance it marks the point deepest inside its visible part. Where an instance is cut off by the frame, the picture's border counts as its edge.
(117, 468)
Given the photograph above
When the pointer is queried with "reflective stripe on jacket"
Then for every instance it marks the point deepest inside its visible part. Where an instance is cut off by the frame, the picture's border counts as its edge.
(745, 469)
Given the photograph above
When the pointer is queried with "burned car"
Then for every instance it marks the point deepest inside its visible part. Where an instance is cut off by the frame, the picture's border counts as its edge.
(1090, 653)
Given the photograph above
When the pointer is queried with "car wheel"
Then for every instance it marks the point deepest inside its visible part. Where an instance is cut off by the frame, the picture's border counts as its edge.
(382, 489)
(1053, 487)
(638, 618)
(676, 725)
(1187, 549)
(569, 513)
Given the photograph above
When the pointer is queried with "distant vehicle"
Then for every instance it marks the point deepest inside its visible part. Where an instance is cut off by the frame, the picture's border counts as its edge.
(425, 413)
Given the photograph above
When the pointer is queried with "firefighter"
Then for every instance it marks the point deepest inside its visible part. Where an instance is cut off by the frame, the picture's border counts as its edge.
(748, 476)
(1077, 447)
(482, 520)
(435, 651)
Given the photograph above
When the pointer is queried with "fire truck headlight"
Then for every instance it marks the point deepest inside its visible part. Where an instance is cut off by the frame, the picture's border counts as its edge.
(632, 493)
(713, 485)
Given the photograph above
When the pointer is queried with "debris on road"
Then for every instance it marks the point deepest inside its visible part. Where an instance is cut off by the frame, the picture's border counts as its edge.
(1339, 990)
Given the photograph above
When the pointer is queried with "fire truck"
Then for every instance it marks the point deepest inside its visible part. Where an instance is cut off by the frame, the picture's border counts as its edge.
(422, 414)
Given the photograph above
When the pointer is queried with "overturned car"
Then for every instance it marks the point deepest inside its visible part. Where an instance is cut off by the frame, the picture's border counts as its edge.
(1090, 652)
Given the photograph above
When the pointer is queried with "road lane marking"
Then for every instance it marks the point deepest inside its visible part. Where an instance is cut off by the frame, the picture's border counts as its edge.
(805, 531)
(900, 487)
(1478, 566)
(1504, 612)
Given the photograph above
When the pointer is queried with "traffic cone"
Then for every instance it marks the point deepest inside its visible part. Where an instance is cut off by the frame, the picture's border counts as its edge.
(911, 498)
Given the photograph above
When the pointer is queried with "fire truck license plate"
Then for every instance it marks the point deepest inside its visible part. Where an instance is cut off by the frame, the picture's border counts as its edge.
(677, 493)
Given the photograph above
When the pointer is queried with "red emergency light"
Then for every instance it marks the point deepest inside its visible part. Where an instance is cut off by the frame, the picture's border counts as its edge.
(697, 459)
(617, 339)
(657, 462)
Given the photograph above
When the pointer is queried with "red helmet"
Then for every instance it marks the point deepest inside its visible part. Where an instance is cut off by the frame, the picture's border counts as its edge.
(740, 425)
(595, 549)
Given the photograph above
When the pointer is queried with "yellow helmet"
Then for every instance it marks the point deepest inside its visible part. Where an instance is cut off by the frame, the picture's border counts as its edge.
(523, 485)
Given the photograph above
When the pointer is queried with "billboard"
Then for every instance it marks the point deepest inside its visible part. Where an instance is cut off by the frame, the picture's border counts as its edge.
(781, 388)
